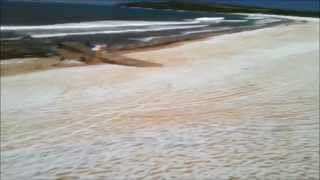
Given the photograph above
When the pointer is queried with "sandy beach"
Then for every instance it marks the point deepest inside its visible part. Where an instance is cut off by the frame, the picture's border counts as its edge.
(236, 106)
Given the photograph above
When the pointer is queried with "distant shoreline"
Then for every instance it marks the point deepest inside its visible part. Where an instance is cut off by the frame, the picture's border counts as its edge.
(220, 8)
(73, 51)
(47, 47)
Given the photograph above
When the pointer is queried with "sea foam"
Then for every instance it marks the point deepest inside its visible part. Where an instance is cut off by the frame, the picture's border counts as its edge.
(96, 24)
(114, 31)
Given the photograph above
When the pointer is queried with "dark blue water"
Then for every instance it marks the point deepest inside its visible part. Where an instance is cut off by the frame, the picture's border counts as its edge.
(297, 5)
(118, 27)
(30, 13)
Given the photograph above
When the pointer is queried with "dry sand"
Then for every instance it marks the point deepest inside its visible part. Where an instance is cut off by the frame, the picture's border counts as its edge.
(237, 106)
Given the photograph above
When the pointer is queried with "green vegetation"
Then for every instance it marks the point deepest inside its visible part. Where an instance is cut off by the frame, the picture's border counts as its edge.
(223, 8)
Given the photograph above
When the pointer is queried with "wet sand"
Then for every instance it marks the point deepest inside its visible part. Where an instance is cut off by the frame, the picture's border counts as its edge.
(237, 106)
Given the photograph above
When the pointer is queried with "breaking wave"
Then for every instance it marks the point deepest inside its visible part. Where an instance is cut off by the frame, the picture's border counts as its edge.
(197, 25)
(95, 24)
(114, 31)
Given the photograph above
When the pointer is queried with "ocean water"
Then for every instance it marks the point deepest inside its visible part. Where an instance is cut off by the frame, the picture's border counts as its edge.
(114, 25)
(297, 5)
(31, 13)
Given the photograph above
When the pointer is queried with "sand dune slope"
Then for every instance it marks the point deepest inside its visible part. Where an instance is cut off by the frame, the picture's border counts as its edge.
(243, 105)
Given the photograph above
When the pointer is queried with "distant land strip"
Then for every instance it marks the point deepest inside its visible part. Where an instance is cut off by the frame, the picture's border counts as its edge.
(220, 8)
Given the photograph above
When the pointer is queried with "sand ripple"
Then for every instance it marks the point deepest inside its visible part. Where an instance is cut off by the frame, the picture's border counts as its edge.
(238, 117)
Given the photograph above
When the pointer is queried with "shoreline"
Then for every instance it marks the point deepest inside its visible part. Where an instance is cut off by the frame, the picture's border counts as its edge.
(29, 65)
(298, 18)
